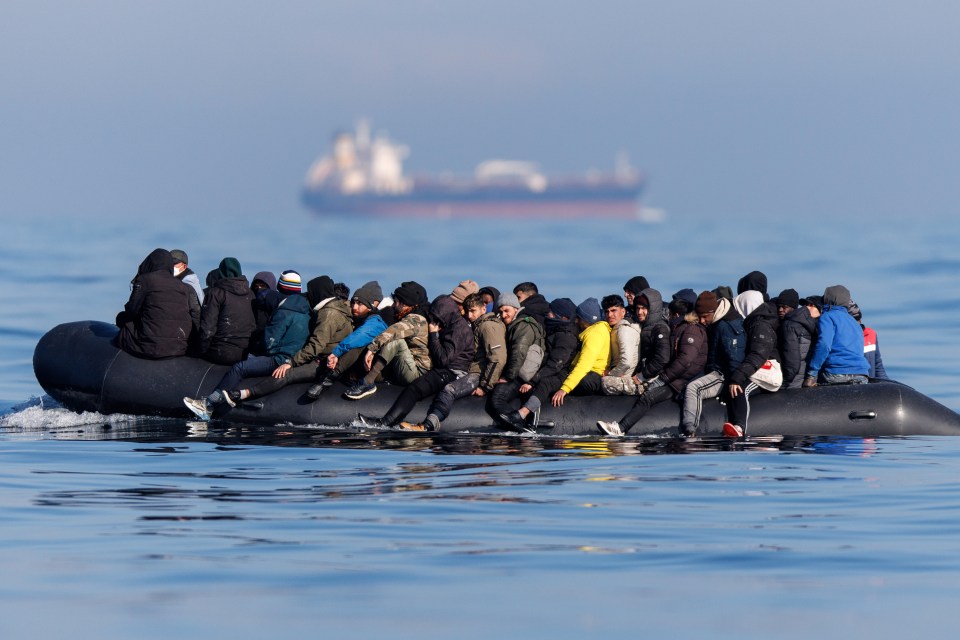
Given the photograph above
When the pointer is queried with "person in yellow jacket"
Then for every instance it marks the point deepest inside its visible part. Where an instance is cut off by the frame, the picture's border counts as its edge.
(594, 357)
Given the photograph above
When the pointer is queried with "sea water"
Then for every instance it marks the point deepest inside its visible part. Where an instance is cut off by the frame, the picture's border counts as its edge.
(124, 526)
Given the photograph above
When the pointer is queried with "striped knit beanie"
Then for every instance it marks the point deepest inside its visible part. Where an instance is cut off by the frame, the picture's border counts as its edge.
(289, 282)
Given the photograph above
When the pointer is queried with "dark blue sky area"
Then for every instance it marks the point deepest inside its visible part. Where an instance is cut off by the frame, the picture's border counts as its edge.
(734, 108)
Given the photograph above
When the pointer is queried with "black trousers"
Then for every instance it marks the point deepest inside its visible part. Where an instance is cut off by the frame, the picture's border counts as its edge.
(643, 404)
(426, 385)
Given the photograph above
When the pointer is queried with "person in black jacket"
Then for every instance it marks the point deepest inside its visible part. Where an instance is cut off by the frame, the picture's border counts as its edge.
(155, 322)
(452, 348)
(689, 342)
(562, 345)
(798, 333)
(760, 324)
(654, 335)
(227, 319)
(534, 304)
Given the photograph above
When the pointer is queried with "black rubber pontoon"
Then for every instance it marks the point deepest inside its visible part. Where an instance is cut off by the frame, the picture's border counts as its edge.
(79, 366)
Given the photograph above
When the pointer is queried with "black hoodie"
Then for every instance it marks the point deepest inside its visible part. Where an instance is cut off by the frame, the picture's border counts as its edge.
(155, 322)
(798, 333)
(453, 347)
(537, 307)
(227, 321)
(761, 329)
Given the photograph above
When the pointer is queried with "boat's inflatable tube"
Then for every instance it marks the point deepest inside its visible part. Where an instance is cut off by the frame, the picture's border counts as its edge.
(79, 365)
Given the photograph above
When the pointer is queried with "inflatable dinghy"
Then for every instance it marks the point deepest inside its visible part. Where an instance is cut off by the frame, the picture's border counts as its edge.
(79, 365)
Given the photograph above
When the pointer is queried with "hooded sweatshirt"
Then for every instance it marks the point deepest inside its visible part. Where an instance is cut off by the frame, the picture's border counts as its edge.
(760, 323)
(839, 347)
(453, 346)
(156, 322)
(797, 334)
(227, 320)
(654, 337)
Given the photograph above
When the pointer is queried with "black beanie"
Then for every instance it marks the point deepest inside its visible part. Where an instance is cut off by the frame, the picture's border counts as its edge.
(411, 294)
(564, 307)
(788, 298)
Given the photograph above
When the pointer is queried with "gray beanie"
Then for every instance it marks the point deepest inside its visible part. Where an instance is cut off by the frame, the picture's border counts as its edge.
(508, 299)
(370, 294)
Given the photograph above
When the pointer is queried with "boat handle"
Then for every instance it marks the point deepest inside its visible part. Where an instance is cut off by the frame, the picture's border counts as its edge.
(863, 415)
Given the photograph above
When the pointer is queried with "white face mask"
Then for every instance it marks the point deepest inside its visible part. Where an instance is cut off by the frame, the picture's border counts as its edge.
(177, 271)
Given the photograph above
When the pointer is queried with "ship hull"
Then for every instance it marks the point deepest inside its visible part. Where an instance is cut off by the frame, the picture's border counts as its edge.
(613, 202)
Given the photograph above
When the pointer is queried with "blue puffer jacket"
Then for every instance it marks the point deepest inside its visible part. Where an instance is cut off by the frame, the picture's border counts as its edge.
(839, 348)
(288, 329)
(373, 325)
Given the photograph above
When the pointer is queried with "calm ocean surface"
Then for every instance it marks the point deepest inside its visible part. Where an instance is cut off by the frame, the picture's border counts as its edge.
(120, 527)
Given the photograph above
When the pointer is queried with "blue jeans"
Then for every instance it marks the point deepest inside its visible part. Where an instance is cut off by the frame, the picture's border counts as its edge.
(252, 367)
(843, 378)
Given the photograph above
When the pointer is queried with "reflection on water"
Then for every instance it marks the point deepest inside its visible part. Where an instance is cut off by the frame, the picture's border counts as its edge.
(58, 424)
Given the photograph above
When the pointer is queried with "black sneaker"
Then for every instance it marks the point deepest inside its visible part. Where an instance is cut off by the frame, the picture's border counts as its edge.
(514, 421)
(360, 390)
(232, 398)
(370, 421)
(316, 390)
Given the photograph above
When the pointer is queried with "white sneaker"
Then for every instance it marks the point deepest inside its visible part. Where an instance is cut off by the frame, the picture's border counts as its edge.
(610, 428)
(199, 407)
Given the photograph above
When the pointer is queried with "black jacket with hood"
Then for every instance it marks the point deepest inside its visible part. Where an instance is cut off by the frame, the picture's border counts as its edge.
(155, 322)
(562, 345)
(453, 347)
(798, 332)
(227, 319)
(760, 327)
(654, 337)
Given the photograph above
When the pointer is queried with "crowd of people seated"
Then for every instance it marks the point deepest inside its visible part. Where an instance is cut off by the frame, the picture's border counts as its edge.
(509, 347)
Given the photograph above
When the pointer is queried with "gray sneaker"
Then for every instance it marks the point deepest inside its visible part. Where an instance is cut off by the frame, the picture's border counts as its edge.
(199, 407)
(610, 428)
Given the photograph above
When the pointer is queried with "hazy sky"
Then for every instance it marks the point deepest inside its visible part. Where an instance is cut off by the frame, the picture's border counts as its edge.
(760, 108)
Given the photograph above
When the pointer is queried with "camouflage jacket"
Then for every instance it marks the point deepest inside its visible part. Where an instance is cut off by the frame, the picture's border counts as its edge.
(413, 329)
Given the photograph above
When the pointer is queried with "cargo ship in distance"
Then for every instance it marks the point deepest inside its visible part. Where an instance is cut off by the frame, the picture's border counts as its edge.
(364, 175)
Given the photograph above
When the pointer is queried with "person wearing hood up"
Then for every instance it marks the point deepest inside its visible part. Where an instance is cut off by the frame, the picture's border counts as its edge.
(367, 325)
(403, 346)
(226, 318)
(689, 342)
(838, 353)
(490, 295)
(156, 322)
(266, 299)
(452, 349)
(633, 287)
(654, 334)
(490, 339)
(562, 346)
(754, 281)
(760, 324)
